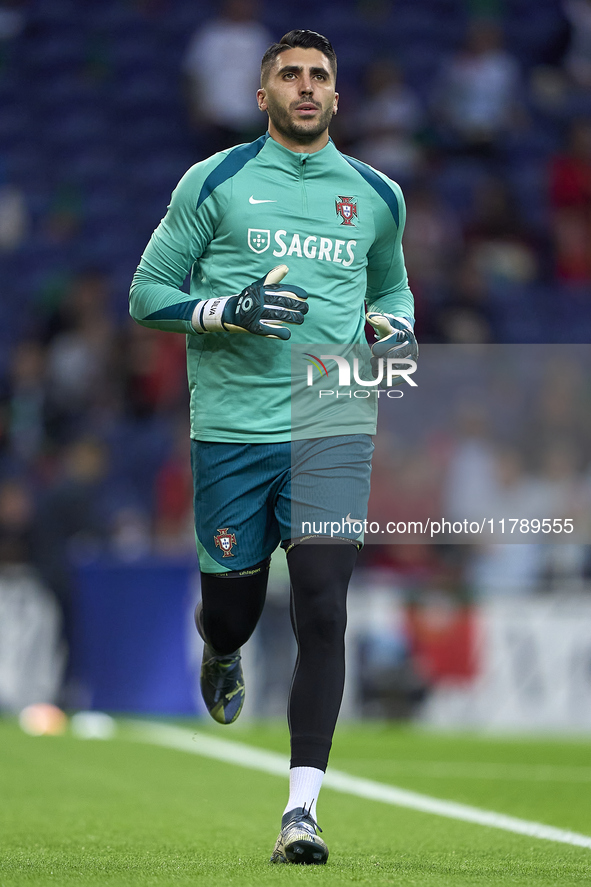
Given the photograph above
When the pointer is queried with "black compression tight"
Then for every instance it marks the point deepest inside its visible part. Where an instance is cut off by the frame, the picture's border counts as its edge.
(232, 606)
(319, 574)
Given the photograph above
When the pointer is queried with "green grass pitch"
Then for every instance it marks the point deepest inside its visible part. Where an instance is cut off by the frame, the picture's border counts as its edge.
(117, 812)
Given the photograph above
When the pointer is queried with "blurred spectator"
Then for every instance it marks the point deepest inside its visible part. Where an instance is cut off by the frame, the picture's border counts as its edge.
(389, 685)
(64, 215)
(174, 527)
(88, 286)
(509, 569)
(222, 69)
(23, 408)
(78, 356)
(443, 634)
(517, 491)
(577, 61)
(505, 570)
(548, 90)
(153, 370)
(12, 18)
(557, 481)
(560, 411)
(73, 518)
(389, 103)
(500, 243)
(406, 484)
(387, 121)
(465, 316)
(130, 534)
(432, 241)
(14, 220)
(477, 99)
(470, 478)
(31, 653)
(17, 535)
(570, 193)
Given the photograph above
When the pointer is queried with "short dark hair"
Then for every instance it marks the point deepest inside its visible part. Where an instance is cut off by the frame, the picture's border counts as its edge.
(298, 39)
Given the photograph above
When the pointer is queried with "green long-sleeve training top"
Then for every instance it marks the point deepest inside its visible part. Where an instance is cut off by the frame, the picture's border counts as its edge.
(336, 222)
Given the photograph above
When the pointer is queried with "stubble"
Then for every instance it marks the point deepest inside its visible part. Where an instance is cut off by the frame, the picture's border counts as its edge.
(302, 132)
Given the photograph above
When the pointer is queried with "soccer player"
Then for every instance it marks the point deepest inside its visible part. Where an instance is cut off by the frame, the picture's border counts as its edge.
(338, 223)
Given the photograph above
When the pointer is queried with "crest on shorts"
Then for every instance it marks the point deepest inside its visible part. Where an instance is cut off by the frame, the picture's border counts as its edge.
(225, 541)
(259, 239)
(347, 209)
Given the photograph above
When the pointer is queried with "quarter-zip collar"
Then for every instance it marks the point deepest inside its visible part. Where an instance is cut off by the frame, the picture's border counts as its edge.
(293, 162)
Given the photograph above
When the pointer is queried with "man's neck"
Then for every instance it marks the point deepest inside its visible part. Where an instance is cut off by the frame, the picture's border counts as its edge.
(299, 147)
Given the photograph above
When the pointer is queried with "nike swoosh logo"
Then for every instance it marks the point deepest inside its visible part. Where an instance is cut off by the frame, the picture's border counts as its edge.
(252, 199)
(353, 520)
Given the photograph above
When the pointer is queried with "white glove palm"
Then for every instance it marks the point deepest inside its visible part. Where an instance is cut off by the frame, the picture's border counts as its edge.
(396, 339)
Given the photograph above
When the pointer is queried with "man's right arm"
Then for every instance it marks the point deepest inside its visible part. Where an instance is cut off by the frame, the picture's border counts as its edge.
(155, 298)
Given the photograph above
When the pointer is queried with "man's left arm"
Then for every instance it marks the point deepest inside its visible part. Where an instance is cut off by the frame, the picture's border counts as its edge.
(388, 291)
(389, 299)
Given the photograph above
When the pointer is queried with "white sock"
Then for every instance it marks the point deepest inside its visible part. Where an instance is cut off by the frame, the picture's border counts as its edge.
(304, 787)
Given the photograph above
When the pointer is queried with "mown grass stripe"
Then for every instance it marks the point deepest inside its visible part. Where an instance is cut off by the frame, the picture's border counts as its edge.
(242, 755)
(492, 771)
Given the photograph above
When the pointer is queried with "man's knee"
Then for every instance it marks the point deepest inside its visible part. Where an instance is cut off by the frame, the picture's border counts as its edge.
(320, 576)
(321, 623)
(232, 605)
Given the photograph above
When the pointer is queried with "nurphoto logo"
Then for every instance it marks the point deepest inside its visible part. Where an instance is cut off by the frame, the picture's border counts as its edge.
(391, 371)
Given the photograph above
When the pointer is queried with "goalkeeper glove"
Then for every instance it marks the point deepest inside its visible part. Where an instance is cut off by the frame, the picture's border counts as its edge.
(261, 308)
(396, 339)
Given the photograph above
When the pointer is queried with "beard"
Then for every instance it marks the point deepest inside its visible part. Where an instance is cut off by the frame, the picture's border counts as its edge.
(304, 131)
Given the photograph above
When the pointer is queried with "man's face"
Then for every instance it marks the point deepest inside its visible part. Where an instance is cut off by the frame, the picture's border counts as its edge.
(299, 94)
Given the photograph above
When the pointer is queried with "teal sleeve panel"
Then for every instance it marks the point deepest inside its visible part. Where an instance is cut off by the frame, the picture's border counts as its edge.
(387, 282)
(230, 165)
(174, 250)
(378, 184)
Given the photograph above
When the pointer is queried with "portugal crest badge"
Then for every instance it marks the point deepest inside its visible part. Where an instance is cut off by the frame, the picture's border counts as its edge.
(347, 209)
(225, 541)
(259, 239)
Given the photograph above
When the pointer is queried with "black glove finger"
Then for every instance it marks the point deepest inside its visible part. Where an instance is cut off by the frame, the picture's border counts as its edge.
(270, 312)
(286, 302)
(278, 290)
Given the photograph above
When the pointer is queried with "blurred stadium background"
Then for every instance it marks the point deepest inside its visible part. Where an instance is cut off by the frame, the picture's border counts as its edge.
(481, 109)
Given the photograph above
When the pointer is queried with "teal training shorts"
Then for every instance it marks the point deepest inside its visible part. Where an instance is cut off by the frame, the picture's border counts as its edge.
(249, 498)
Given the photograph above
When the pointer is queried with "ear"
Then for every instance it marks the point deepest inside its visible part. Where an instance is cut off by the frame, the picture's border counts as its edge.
(262, 99)
(335, 104)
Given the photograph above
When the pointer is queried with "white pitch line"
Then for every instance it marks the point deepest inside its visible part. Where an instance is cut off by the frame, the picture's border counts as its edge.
(242, 755)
